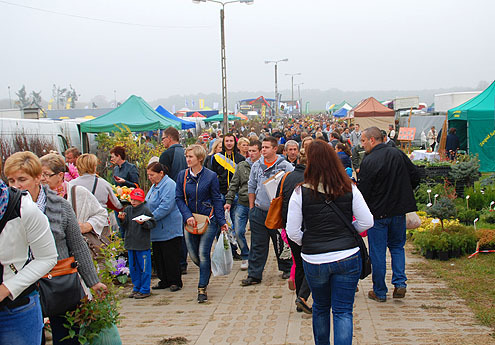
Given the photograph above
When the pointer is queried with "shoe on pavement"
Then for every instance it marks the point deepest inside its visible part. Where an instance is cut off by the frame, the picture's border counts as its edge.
(399, 292)
(299, 310)
(236, 256)
(371, 295)
(174, 288)
(140, 295)
(183, 270)
(250, 281)
(244, 265)
(301, 303)
(159, 286)
(133, 294)
(286, 275)
(202, 296)
(292, 284)
(357, 288)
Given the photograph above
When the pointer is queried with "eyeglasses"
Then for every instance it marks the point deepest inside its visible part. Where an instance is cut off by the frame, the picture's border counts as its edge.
(45, 175)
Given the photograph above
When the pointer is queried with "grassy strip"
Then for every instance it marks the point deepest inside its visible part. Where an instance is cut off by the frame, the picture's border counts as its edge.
(472, 279)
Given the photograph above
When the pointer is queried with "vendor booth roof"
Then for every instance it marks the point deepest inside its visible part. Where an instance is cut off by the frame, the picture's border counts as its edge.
(219, 118)
(370, 107)
(204, 112)
(184, 124)
(196, 114)
(241, 116)
(342, 112)
(134, 113)
(479, 107)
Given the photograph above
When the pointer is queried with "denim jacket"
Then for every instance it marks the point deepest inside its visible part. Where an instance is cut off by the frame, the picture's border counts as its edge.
(203, 193)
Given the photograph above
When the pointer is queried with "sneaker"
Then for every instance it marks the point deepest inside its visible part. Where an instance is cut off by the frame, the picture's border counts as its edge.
(250, 281)
(371, 295)
(183, 270)
(202, 296)
(174, 288)
(286, 275)
(236, 256)
(399, 292)
(140, 295)
(301, 304)
(244, 265)
(133, 294)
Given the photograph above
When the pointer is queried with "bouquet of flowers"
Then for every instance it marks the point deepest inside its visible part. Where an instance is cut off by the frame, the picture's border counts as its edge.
(122, 193)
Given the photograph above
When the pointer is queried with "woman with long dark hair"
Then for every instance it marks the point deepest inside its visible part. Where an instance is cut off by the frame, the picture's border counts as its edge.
(330, 252)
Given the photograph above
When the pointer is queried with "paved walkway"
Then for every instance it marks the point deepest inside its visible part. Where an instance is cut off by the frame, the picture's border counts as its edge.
(265, 314)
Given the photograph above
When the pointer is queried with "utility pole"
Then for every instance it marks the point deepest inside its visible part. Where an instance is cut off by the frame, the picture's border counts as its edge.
(292, 97)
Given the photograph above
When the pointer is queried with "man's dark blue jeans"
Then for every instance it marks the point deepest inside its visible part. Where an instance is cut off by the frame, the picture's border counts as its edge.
(388, 233)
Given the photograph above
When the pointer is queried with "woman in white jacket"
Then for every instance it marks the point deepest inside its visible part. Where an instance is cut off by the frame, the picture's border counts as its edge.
(27, 229)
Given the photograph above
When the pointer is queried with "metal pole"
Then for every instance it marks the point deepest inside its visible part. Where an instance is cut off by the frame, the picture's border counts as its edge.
(292, 97)
(10, 98)
(276, 92)
(224, 73)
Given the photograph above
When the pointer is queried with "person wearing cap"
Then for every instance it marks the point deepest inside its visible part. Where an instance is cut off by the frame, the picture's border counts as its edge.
(137, 242)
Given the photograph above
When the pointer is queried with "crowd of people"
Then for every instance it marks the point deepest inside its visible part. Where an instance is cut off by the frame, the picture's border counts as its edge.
(334, 175)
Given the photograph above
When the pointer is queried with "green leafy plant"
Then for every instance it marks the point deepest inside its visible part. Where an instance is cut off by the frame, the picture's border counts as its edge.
(467, 216)
(488, 216)
(444, 208)
(93, 316)
(466, 169)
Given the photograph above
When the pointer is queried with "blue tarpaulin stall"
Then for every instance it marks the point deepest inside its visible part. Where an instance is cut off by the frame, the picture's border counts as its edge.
(342, 112)
(184, 124)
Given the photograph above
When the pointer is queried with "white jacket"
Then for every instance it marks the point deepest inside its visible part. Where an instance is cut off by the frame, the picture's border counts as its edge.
(88, 208)
(31, 230)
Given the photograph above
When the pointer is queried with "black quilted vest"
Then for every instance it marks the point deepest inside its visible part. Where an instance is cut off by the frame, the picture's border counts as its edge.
(324, 231)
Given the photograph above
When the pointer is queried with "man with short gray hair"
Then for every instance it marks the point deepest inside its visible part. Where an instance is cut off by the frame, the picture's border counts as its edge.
(386, 179)
(292, 150)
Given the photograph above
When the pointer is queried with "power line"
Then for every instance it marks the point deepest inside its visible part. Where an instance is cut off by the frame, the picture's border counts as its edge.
(101, 20)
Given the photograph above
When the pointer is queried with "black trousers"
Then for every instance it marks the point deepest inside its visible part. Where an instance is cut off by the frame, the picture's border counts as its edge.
(166, 258)
(302, 287)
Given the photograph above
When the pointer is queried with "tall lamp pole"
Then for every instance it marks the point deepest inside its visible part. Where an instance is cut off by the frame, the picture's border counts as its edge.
(292, 97)
(10, 98)
(276, 85)
(299, 96)
(222, 53)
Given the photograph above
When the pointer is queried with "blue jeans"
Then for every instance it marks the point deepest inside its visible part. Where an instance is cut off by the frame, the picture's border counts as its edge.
(241, 217)
(388, 233)
(199, 247)
(22, 325)
(333, 285)
(140, 269)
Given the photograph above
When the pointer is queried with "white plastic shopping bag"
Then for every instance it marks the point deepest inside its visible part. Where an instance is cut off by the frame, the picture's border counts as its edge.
(222, 261)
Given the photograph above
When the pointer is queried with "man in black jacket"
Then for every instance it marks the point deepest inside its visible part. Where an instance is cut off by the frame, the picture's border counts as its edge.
(386, 179)
(173, 157)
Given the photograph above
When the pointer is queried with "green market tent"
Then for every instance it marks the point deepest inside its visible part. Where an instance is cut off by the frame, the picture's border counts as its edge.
(475, 124)
(219, 118)
(135, 114)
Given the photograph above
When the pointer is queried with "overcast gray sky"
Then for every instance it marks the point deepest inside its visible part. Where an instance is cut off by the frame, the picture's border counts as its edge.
(351, 45)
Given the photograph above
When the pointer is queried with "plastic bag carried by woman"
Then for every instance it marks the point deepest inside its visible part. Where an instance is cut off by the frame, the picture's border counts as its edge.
(222, 261)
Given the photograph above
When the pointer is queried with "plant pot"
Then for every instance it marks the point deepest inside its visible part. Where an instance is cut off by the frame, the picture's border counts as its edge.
(455, 253)
(108, 336)
(430, 254)
(443, 255)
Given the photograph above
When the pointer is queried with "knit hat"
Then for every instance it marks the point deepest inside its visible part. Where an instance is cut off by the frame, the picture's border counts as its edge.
(137, 194)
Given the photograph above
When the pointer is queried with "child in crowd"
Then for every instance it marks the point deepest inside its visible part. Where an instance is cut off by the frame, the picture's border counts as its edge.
(137, 241)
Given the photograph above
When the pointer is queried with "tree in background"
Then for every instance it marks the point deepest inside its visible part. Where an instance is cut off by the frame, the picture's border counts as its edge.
(24, 100)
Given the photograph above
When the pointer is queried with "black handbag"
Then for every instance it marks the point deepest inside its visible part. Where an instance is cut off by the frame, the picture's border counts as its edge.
(366, 266)
(60, 289)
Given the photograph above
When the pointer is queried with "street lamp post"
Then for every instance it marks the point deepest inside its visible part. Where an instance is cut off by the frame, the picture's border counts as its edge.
(292, 97)
(10, 98)
(222, 54)
(276, 85)
(299, 96)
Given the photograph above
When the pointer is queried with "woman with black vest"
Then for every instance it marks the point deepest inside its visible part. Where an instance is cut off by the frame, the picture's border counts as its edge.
(330, 252)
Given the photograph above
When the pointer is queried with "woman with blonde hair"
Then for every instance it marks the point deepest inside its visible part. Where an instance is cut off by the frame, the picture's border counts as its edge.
(202, 195)
(215, 148)
(102, 190)
(243, 146)
(24, 171)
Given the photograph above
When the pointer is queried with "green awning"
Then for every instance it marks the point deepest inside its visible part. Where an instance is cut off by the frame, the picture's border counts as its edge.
(219, 118)
(135, 114)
